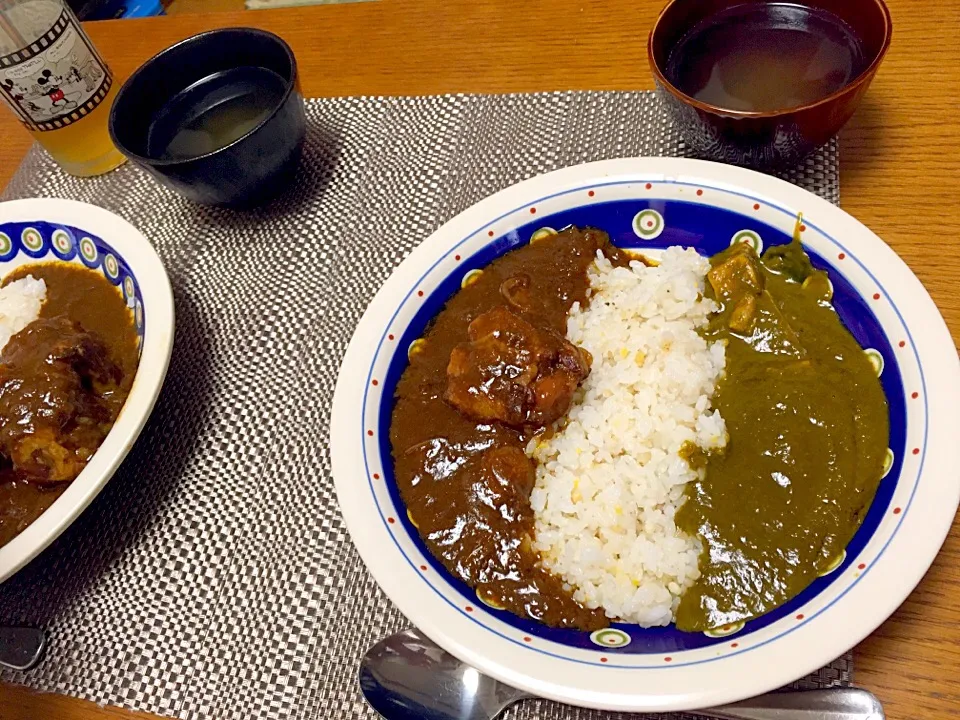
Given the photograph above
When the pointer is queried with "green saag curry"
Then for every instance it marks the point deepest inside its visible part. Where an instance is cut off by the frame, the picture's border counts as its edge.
(808, 432)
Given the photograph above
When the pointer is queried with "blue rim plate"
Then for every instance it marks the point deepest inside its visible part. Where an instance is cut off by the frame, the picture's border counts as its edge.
(649, 204)
(65, 231)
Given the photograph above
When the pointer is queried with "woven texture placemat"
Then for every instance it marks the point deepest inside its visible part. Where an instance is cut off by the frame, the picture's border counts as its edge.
(213, 577)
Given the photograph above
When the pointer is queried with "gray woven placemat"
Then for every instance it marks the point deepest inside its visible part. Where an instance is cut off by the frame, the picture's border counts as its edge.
(213, 577)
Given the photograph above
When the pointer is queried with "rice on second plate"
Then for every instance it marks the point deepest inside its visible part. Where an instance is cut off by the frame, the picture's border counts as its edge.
(609, 482)
(20, 304)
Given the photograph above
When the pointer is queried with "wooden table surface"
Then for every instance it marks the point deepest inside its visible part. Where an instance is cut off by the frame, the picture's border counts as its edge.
(900, 175)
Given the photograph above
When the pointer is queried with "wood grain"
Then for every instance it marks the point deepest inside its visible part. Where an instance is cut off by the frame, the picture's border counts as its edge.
(900, 168)
(179, 7)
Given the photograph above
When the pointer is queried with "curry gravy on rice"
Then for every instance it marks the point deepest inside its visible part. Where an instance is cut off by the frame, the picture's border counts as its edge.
(63, 381)
(770, 465)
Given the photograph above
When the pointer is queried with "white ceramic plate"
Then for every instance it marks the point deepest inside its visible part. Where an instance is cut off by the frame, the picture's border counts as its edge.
(652, 203)
(67, 231)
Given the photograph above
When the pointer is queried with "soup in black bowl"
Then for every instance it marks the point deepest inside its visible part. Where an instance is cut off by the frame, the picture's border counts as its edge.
(218, 118)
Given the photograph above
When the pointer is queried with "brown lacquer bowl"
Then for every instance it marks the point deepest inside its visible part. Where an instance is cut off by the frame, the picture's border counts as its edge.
(772, 138)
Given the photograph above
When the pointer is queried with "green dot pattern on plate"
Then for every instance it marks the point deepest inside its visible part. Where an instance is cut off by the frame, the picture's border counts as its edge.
(837, 562)
(470, 277)
(414, 348)
(128, 287)
(648, 224)
(5, 244)
(88, 249)
(748, 236)
(62, 241)
(725, 630)
(887, 463)
(111, 267)
(32, 239)
(138, 314)
(876, 359)
(488, 602)
(609, 638)
(542, 233)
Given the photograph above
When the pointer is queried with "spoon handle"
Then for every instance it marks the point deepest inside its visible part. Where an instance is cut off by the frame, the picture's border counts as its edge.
(21, 647)
(833, 704)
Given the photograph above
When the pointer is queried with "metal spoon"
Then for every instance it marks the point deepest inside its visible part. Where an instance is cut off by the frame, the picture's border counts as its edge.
(21, 647)
(408, 677)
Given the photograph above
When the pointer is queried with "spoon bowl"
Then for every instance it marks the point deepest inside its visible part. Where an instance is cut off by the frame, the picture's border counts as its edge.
(407, 676)
(21, 647)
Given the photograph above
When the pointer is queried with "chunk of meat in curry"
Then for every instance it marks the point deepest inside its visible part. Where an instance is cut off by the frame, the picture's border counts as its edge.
(514, 372)
(493, 370)
(58, 395)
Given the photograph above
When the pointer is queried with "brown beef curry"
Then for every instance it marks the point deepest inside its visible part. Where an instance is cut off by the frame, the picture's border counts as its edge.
(63, 381)
(494, 368)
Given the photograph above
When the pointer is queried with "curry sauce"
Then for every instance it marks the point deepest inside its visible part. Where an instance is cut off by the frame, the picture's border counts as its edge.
(63, 381)
(808, 431)
(459, 451)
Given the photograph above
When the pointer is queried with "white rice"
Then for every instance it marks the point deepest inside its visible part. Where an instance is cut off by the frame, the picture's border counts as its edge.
(20, 304)
(610, 481)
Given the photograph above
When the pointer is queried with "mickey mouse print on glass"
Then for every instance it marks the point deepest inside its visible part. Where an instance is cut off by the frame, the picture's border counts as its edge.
(55, 82)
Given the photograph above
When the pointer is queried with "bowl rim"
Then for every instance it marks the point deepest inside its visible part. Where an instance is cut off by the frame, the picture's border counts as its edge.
(863, 78)
(666, 686)
(151, 277)
(290, 87)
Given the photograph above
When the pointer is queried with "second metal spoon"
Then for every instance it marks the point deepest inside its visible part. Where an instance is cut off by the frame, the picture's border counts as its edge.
(408, 677)
(21, 647)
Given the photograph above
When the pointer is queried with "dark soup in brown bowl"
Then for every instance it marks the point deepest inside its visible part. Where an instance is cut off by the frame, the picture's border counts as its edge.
(764, 83)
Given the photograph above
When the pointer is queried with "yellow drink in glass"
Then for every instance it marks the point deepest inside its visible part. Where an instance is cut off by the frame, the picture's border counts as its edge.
(55, 82)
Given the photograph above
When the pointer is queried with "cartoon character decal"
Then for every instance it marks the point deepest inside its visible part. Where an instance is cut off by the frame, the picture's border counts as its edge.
(19, 94)
(51, 83)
